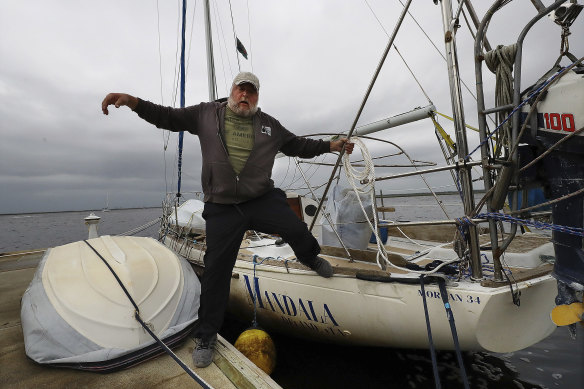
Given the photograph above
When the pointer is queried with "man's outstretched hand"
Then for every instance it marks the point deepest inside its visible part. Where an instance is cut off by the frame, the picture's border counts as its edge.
(337, 145)
(118, 100)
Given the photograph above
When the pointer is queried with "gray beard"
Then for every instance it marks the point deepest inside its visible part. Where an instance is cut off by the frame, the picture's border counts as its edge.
(241, 112)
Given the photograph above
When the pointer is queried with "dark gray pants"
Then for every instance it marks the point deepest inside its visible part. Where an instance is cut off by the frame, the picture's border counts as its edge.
(225, 227)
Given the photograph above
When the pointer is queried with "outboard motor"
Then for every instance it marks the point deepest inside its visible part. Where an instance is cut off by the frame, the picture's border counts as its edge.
(559, 113)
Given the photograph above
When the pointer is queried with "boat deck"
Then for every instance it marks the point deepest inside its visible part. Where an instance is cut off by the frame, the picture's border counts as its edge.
(365, 261)
(230, 369)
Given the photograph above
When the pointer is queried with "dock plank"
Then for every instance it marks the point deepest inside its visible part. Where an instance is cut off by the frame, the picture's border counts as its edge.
(12, 286)
(18, 371)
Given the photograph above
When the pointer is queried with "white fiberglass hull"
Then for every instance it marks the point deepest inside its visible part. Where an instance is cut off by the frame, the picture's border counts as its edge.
(75, 313)
(352, 311)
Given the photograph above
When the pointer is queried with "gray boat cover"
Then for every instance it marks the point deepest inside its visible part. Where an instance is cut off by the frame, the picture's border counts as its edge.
(48, 339)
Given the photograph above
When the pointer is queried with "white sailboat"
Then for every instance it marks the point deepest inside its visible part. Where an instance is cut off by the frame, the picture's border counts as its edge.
(106, 208)
(383, 303)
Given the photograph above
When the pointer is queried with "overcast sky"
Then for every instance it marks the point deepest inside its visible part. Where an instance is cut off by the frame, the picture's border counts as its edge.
(315, 59)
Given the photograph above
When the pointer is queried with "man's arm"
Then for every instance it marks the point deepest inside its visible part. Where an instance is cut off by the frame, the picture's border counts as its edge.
(168, 118)
(118, 99)
(309, 148)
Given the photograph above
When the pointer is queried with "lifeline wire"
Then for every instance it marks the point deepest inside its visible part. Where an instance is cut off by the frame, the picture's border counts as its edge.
(194, 375)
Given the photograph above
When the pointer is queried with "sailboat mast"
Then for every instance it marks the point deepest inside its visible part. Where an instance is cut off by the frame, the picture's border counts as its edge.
(210, 72)
(182, 93)
(461, 140)
(210, 62)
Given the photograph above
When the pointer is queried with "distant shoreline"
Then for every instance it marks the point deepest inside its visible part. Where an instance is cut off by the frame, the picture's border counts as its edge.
(81, 210)
(423, 194)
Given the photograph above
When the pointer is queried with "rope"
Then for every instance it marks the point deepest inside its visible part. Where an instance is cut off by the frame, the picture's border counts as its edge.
(527, 100)
(500, 61)
(366, 176)
(430, 340)
(539, 93)
(450, 315)
(452, 120)
(367, 187)
(254, 323)
(141, 228)
(199, 380)
(550, 149)
(539, 225)
(576, 193)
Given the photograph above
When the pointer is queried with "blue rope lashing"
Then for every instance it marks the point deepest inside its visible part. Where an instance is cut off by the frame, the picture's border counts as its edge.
(450, 315)
(528, 99)
(430, 340)
(535, 224)
(254, 324)
(462, 223)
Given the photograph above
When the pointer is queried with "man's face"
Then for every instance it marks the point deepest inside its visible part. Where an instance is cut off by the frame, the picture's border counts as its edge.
(243, 99)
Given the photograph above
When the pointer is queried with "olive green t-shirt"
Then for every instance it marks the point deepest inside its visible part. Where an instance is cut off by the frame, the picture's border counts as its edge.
(239, 139)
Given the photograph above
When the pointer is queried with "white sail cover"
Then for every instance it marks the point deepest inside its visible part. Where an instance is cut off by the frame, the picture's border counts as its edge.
(75, 312)
(348, 219)
(190, 215)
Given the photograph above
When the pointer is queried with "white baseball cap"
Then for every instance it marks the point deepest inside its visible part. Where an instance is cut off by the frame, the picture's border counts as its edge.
(247, 77)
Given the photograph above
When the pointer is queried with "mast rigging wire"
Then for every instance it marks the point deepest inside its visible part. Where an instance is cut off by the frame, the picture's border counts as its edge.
(399, 53)
(249, 35)
(365, 98)
(222, 40)
(439, 52)
(159, 51)
(234, 37)
(176, 80)
(163, 133)
(191, 36)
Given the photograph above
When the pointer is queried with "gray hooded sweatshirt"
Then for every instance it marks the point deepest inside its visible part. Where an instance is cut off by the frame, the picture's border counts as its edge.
(220, 182)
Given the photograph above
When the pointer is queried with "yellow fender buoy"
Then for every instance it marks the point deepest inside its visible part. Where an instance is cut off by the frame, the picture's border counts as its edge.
(258, 347)
(564, 315)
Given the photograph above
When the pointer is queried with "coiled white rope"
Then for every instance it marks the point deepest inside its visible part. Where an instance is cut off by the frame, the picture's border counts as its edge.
(363, 182)
(366, 179)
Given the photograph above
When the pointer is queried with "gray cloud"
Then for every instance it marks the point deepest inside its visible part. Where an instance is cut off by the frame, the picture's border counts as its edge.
(315, 61)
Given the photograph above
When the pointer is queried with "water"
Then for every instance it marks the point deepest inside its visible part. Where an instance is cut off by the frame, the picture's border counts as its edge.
(41, 230)
(556, 362)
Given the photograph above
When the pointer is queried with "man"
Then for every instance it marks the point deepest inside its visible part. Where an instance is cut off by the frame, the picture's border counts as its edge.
(239, 143)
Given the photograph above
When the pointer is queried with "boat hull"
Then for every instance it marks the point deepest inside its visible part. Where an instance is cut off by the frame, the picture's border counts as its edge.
(75, 314)
(351, 311)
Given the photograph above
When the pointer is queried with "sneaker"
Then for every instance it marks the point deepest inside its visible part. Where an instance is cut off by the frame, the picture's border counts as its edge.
(204, 349)
(322, 267)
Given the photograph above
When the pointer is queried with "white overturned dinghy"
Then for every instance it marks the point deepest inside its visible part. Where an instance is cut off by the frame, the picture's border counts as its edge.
(76, 314)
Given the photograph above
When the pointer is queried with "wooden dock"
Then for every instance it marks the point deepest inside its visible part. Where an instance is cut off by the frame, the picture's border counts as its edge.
(230, 369)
